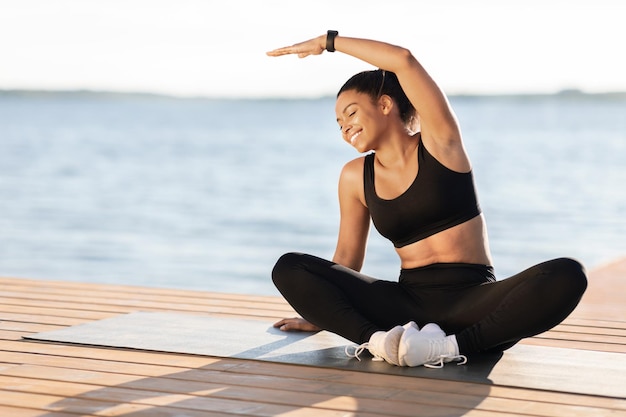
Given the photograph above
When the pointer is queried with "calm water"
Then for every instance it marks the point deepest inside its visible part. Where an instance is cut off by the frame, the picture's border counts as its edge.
(206, 194)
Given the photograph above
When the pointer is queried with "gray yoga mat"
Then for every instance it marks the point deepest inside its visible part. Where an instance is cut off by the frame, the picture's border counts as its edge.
(535, 367)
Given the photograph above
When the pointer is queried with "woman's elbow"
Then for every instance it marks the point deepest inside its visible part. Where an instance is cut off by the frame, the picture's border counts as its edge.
(353, 262)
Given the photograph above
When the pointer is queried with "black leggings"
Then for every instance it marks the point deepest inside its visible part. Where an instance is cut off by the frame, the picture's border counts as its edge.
(463, 299)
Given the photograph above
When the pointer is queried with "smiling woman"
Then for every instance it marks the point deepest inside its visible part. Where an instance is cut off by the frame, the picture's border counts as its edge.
(418, 190)
(373, 84)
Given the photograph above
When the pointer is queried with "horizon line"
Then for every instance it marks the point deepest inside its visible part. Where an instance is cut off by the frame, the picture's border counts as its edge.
(564, 93)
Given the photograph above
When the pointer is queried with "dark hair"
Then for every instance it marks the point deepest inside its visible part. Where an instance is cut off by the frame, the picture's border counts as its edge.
(377, 83)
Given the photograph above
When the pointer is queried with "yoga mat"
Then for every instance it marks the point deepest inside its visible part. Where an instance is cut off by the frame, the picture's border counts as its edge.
(535, 367)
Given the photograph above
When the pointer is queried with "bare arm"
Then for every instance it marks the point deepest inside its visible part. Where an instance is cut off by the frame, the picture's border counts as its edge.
(354, 217)
(353, 231)
(439, 126)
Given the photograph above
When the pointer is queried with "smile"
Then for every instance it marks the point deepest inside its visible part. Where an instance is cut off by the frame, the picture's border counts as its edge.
(353, 137)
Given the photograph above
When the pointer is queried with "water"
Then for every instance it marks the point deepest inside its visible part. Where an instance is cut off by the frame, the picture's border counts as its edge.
(206, 194)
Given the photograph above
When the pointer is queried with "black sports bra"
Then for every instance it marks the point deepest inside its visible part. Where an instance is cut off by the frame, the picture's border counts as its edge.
(438, 199)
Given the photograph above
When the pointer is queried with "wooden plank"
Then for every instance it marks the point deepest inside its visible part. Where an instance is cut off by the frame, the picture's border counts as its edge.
(301, 382)
(316, 374)
(426, 384)
(106, 290)
(595, 330)
(10, 335)
(209, 396)
(138, 411)
(64, 307)
(68, 309)
(25, 317)
(27, 327)
(17, 313)
(142, 391)
(597, 323)
(99, 296)
(125, 388)
(54, 312)
(149, 300)
(154, 407)
(280, 371)
(133, 356)
(583, 337)
(598, 347)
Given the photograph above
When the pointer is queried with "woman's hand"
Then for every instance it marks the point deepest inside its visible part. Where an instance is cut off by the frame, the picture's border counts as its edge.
(313, 46)
(296, 324)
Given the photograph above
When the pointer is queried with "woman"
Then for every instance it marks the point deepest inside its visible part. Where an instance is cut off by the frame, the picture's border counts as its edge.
(416, 185)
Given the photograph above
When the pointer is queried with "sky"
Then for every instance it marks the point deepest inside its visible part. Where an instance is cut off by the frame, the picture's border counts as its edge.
(217, 48)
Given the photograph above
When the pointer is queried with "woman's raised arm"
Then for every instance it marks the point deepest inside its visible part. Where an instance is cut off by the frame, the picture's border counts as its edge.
(437, 120)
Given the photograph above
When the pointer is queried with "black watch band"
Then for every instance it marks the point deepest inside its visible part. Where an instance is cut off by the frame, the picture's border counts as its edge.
(330, 40)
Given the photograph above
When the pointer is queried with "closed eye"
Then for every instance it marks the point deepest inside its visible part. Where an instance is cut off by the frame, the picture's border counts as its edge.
(349, 115)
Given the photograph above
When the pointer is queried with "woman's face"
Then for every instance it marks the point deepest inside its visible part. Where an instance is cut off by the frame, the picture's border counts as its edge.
(358, 119)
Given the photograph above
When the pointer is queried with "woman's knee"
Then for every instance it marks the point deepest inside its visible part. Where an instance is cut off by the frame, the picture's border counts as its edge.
(284, 266)
(289, 260)
(570, 274)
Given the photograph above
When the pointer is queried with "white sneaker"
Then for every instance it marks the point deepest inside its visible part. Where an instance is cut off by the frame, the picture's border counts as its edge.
(433, 329)
(430, 329)
(382, 345)
(411, 324)
(429, 347)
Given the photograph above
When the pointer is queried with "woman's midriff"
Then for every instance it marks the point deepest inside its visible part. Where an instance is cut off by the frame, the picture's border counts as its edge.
(464, 243)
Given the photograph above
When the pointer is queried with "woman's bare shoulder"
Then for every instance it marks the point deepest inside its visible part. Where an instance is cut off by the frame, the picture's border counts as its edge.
(355, 165)
(353, 170)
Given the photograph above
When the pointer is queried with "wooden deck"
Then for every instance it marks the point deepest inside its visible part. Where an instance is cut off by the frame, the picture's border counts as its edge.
(55, 380)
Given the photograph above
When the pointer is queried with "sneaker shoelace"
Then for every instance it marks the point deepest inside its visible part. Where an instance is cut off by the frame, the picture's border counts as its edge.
(442, 359)
(437, 363)
(358, 349)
